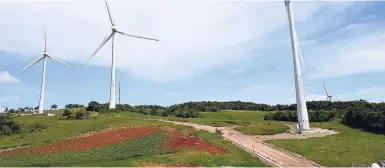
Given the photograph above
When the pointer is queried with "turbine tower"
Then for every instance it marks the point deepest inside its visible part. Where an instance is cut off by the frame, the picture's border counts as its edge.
(112, 35)
(303, 119)
(328, 97)
(44, 58)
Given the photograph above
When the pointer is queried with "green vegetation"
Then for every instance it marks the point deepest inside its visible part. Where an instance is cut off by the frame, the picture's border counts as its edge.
(8, 126)
(350, 146)
(235, 157)
(314, 115)
(263, 129)
(133, 152)
(59, 129)
(122, 151)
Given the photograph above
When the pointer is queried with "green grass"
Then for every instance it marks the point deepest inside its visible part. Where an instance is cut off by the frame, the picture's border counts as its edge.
(133, 152)
(122, 151)
(350, 146)
(263, 129)
(59, 129)
(236, 156)
(218, 119)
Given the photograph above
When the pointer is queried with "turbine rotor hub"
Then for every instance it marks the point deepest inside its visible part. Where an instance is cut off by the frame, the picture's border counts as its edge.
(113, 28)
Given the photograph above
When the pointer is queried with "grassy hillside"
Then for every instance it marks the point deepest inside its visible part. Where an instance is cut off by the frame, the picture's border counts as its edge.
(350, 146)
(143, 151)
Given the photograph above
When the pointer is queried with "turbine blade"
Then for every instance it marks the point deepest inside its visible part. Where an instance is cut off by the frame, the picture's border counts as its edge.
(326, 91)
(34, 62)
(135, 36)
(45, 40)
(101, 44)
(109, 13)
(59, 61)
(299, 48)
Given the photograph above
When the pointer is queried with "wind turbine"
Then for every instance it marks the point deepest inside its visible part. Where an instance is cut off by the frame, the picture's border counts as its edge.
(302, 114)
(112, 35)
(44, 58)
(328, 97)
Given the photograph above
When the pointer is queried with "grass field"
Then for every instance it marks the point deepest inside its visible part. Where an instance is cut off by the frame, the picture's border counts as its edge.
(58, 129)
(144, 151)
(248, 122)
(350, 146)
(263, 129)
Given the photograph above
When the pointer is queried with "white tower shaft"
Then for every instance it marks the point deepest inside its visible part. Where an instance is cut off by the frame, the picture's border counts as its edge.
(41, 102)
(301, 102)
(112, 89)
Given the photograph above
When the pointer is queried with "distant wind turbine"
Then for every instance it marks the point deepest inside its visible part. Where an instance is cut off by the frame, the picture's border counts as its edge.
(302, 114)
(44, 57)
(112, 35)
(328, 97)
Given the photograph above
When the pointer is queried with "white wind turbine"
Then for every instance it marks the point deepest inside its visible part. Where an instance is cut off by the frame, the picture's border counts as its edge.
(45, 56)
(328, 97)
(302, 114)
(112, 35)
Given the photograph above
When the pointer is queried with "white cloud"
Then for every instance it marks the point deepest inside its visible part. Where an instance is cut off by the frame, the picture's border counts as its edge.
(172, 94)
(194, 35)
(5, 77)
(361, 50)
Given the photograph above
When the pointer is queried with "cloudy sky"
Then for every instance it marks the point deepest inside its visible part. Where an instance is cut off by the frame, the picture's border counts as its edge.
(208, 50)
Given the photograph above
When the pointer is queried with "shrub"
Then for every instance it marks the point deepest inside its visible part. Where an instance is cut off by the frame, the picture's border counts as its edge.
(82, 115)
(366, 118)
(314, 116)
(35, 127)
(153, 111)
(66, 113)
(5, 130)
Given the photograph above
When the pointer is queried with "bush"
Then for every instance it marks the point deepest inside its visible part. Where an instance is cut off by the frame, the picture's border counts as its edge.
(5, 130)
(314, 116)
(366, 118)
(187, 113)
(35, 127)
(83, 115)
(66, 113)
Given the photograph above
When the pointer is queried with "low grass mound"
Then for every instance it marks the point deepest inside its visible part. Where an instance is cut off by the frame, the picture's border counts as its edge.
(125, 150)
(134, 147)
(59, 129)
(348, 147)
(263, 129)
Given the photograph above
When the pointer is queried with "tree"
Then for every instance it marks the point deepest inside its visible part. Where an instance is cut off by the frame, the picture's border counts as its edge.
(54, 106)
(36, 108)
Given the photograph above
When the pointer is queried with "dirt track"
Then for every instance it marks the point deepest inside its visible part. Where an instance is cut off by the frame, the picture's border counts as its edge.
(270, 155)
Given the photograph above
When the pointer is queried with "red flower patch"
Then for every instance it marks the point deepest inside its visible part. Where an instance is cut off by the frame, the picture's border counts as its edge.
(87, 142)
(180, 140)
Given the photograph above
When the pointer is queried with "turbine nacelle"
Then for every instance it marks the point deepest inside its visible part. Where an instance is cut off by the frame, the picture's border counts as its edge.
(113, 28)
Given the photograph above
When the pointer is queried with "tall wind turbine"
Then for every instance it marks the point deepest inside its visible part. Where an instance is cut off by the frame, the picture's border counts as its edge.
(302, 114)
(112, 35)
(44, 58)
(328, 97)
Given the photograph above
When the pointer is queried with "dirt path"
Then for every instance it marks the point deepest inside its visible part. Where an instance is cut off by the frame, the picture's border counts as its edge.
(272, 156)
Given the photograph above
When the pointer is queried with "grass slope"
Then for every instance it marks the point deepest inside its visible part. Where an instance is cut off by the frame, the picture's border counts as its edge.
(263, 129)
(350, 146)
(58, 129)
(130, 149)
(236, 156)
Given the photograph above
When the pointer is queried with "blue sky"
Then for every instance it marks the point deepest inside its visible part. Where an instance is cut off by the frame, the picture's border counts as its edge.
(208, 50)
